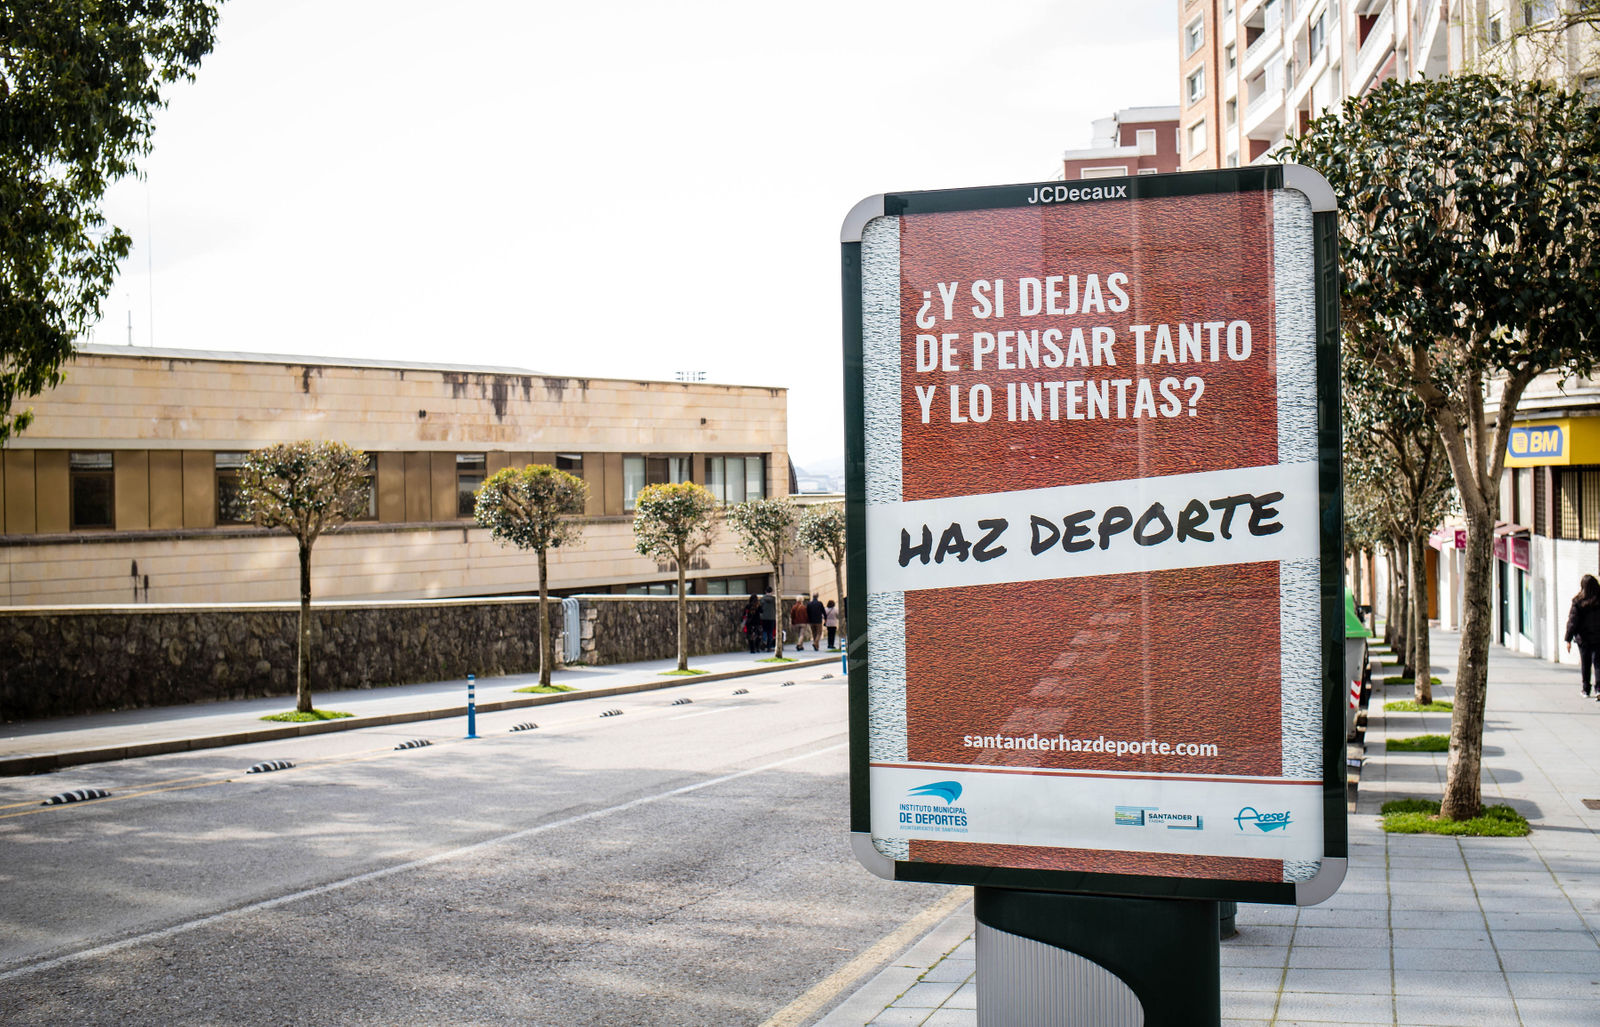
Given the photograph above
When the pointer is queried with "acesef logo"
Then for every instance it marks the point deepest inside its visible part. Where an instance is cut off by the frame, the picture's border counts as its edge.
(1262, 821)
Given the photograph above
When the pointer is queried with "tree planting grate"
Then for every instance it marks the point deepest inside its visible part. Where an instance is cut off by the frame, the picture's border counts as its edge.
(785, 684)
(682, 702)
(529, 726)
(266, 766)
(415, 743)
(741, 691)
(1592, 803)
(76, 795)
(611, 713)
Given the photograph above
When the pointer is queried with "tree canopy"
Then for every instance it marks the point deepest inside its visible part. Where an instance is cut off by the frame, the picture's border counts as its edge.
(79, 88)
(766, 532)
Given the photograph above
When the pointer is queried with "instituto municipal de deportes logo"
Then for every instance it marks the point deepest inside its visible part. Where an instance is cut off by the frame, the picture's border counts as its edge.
(930, 817)
(1262, 821)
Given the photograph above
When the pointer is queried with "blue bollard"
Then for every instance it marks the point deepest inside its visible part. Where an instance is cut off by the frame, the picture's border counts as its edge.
(472, 706)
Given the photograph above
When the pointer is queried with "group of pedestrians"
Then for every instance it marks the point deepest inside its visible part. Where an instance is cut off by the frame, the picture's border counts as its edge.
(807, 619)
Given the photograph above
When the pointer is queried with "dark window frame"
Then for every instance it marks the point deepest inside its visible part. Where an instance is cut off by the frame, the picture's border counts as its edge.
(102, 476)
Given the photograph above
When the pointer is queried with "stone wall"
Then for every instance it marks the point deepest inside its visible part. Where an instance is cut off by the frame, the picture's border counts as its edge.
(60, 661)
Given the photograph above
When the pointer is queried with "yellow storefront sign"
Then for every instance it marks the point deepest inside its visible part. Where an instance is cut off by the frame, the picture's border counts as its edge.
(1563, 441)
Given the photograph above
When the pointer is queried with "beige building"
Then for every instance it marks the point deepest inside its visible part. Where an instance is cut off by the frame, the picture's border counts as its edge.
(124, 488)
(1255, 72)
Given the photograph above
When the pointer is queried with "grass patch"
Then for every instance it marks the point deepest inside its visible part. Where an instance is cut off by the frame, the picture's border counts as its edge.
(778, 659)
(1412, 706)
(1408, 681)
(1419, 743)
(1421, 816)
(296, 717)
(683, 673)
(546, 689)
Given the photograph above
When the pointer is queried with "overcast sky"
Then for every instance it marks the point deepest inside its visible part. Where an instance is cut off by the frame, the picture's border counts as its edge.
(604, 189)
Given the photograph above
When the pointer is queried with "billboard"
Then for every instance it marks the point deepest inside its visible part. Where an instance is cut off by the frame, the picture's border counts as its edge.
(1093, 482)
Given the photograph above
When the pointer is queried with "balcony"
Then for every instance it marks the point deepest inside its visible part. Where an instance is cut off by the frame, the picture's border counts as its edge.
(1269, 42)
(1375, 49)
(1263, 117)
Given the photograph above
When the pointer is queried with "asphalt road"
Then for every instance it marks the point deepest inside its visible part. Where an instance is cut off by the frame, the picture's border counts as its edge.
(677, 864)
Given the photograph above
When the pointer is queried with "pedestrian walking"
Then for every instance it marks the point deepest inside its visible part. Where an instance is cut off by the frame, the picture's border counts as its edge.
(1583, 624)
(750, 624)
(769, 620)
(815, 615)
(798, 622)
(830, 618)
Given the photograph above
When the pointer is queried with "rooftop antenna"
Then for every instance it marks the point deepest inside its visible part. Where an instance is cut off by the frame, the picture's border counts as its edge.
(130, 326)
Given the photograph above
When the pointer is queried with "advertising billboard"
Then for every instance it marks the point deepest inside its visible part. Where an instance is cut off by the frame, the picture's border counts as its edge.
(1094, 510)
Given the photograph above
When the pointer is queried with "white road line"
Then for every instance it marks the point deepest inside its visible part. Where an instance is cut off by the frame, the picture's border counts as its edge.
(373, 875)
(707, 713)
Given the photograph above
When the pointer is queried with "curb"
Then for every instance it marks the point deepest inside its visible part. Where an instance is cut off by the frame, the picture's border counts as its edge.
(17, 766)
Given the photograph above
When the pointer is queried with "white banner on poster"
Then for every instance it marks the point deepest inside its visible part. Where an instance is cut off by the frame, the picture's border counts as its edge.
(1240, 515)
(1201, 816)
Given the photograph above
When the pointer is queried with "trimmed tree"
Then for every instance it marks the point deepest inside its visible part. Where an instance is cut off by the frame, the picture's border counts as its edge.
(81, 87)
(766, 532)
(821, 531)
(1469, 214)
(305, 488)
(535, 507)
(674, 522)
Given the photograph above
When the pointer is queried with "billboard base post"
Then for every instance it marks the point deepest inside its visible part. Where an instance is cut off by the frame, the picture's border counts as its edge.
(1053, 958)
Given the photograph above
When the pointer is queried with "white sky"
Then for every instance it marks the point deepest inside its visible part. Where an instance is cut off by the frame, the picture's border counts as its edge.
(594, 189)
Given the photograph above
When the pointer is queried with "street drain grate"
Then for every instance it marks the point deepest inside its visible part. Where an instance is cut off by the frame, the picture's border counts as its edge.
(529, 726)
(1592, 803)
(611, 713)
(682, 702)
(76, 795)
(266, 766)
(786, 684)
(415, 743)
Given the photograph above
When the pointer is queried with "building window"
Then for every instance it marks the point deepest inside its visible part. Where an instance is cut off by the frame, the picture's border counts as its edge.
(1231, 111)
(1316, 36)
(639, 471)
(1149, 171)
(734, 479)
(1109, 171)
(1589, 86)
(1197, 84)
(1577, 504)
(470, 471)
(1146, 138)
(91, 484)
(1541, 518)
(1536, 12)
(1497, 28)
(1197, 138)
(1231, 55)
(370, 511)
(1232, 161)
(572, 463)
(1193, 36)
(230, 498)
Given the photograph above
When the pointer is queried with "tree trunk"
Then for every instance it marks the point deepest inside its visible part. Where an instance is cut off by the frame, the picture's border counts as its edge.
(544, 621)
(1355, 579)
(1422, 691)
(1391, 620)
(1372, 591)
(1463, 788)
(782, 611)
(683, 614)
(1399, 609)
(302, 672)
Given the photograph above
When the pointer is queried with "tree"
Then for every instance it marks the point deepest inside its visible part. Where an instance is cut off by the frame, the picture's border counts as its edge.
(673, 522)
(766, 533)
(305, 488)
(534, 508)
(821, 531)
(1396, 462)
(79, 88)
(1469, 210)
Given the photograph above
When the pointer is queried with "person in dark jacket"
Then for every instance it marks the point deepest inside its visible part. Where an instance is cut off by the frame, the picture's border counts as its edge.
(751, 624)
(815, 614)
(1583, 624)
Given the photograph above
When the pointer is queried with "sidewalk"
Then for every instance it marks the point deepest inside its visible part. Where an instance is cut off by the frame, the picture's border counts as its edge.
(1425, 930)
(36, 746)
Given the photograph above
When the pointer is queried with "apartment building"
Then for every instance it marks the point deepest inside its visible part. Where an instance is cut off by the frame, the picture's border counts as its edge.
(1133, 141)
(125, 488)
(1253, 72)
